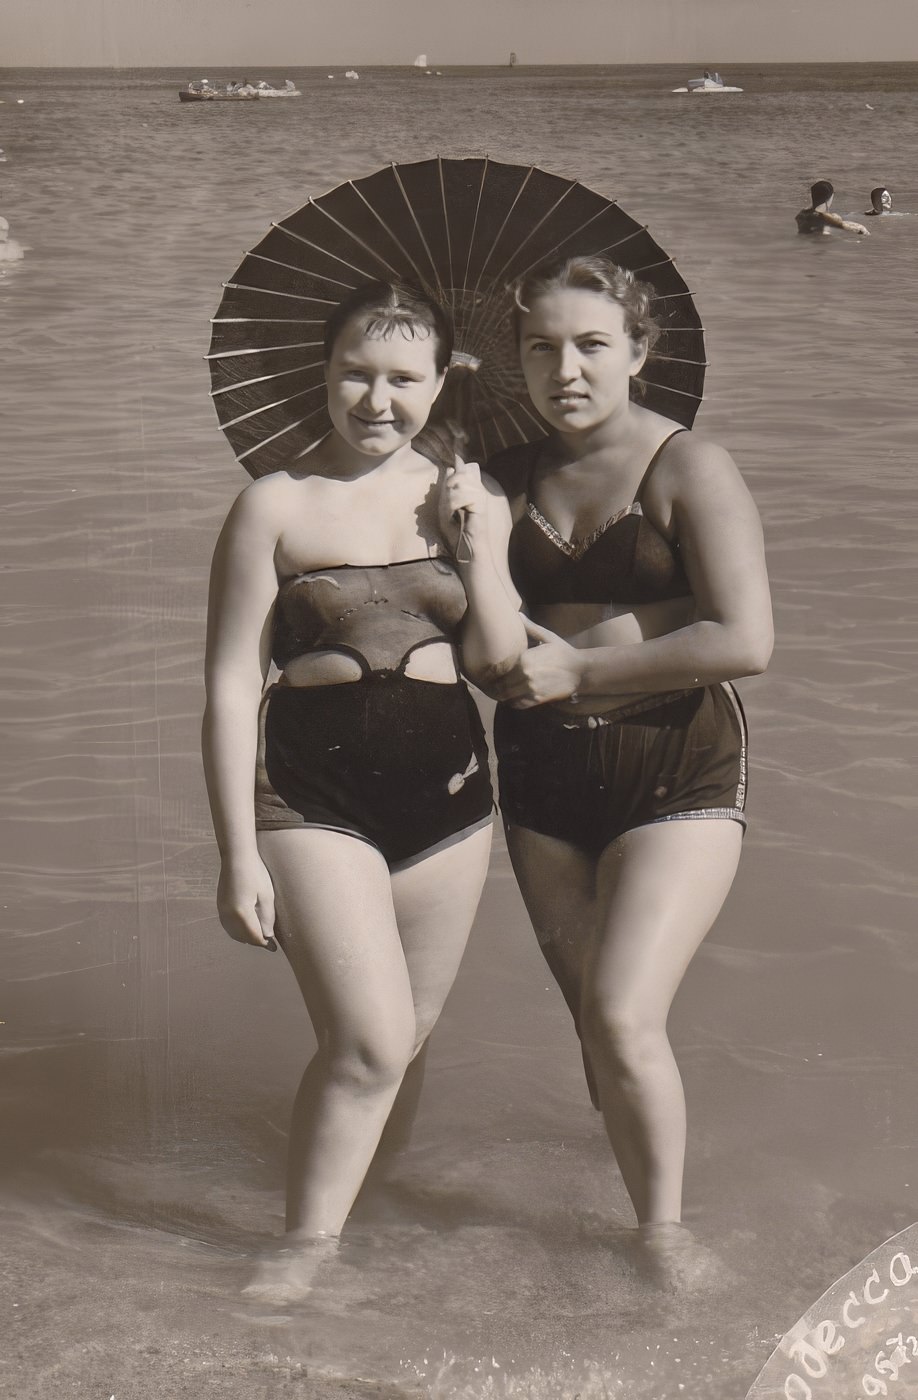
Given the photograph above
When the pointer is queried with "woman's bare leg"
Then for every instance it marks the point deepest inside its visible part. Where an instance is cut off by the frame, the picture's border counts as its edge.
(618, 936)
(430, 896)
(558, 885)
(337, 926)
(660, 888)
(375, 956)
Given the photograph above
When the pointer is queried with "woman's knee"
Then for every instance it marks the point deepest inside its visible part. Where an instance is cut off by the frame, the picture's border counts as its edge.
(626, 1035)
(374, 1062)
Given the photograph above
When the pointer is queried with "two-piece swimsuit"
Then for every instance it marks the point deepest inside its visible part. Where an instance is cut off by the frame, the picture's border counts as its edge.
(589, 778)
(398, 762)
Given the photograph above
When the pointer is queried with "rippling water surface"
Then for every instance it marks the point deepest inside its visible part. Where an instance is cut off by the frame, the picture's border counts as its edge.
(148, 1064)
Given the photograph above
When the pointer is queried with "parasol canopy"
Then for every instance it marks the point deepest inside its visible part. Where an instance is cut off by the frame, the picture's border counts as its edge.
(463, 231)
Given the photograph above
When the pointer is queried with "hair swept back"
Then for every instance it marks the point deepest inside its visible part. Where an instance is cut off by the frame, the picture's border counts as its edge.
(381, 308)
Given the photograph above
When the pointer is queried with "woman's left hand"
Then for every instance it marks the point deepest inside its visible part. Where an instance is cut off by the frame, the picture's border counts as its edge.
(551, 670)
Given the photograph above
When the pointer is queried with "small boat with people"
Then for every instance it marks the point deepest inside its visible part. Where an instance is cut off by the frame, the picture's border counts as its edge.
(289, 89)
(711, 82)
(203, 90)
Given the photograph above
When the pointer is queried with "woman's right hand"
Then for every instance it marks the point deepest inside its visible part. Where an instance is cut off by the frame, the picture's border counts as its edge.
(463, 507)
(245, 903)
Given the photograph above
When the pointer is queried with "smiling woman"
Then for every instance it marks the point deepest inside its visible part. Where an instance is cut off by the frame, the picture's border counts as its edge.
(371, 821)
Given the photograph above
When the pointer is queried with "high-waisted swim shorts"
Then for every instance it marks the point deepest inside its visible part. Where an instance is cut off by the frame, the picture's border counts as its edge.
(587, 779)
(398, 762)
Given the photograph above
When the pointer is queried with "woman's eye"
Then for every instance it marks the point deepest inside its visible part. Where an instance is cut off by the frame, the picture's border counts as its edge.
(541, 346)
(593, 345)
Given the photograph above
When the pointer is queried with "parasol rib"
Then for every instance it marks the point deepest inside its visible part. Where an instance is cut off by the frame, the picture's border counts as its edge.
(395, 239)
(449, 244)
(289, 267)
(267, 292)
(266, 407)
(436, 276)
(350, 234)
(327, 253)
(262, 379)
(496, 240)
(261, 349)
(288, 428)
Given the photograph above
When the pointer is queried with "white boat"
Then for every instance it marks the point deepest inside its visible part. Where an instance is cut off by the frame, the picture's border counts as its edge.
(352, 73)
(711, 82)
(420, 61)
(268, 90)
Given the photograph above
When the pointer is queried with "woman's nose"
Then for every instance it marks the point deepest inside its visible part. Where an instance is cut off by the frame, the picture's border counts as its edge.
(377, 396)
(567, 365)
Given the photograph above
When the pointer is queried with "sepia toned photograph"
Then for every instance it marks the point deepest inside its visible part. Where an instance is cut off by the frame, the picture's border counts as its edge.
(460, 538)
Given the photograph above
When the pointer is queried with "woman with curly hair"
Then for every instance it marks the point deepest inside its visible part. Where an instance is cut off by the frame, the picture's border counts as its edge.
(621, 740)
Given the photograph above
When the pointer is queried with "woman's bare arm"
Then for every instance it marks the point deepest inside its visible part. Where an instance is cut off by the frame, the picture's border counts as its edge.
(493, 634)
(243, 588)
(715, 520)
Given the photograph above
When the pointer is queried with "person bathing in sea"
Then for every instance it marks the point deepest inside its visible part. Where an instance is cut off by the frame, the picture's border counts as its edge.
(621, 741)
(10, 250)
(880, 201)
(353, 795)
(818, 217)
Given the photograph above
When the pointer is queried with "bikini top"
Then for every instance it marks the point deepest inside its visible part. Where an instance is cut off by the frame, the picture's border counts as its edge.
(624, 560)
(377, 613)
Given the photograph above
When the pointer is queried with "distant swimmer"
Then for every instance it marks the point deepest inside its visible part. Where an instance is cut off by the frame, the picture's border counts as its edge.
(10, 250)
(880, 200)
(818, 218)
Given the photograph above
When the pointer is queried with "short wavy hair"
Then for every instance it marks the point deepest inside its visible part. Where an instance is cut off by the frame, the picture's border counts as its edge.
(381, 308)
(593, 273)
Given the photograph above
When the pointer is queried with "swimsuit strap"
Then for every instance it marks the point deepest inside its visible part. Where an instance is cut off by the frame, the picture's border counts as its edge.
(653, 462)
(535, 452)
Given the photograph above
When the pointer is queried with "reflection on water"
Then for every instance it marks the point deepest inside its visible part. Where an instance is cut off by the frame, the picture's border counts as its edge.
(148, 1064)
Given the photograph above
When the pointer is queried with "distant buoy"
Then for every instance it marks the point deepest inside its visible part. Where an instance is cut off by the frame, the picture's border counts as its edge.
(20, 100)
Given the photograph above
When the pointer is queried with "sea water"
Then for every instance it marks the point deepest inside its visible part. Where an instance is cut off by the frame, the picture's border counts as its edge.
(148, 1062)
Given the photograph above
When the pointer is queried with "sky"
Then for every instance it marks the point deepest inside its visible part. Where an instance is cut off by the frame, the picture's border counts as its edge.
(298, 33)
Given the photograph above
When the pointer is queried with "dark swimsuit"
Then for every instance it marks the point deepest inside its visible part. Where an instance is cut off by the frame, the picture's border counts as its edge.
(398, 762)
(587, 779)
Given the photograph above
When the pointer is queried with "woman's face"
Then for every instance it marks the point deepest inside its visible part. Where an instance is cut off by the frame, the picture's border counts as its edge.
(577, 357)
(381, 391)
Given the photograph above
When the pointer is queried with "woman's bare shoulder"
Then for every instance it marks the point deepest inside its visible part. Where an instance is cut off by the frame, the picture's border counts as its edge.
(270, 494)
(689, 458)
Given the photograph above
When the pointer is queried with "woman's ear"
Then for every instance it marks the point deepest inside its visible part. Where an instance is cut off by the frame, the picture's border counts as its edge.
(639, 350)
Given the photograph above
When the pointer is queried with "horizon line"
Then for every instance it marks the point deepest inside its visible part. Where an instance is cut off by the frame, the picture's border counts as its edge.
(332, 63)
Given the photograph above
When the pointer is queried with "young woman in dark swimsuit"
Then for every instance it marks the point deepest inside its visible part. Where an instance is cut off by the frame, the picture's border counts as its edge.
(370, 826)
(621, 742)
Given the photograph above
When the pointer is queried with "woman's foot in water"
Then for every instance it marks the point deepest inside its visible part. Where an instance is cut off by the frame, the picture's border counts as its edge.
(668, 1255)
(286, 1273)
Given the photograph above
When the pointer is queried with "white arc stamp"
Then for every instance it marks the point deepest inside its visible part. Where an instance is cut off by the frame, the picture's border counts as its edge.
(859, 1339)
